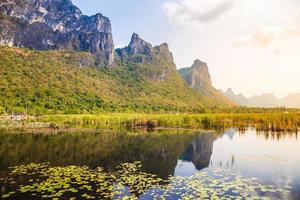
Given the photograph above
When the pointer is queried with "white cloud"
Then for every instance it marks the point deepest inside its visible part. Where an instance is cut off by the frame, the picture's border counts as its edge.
(266, 36)
(262, 37)
(196, 12)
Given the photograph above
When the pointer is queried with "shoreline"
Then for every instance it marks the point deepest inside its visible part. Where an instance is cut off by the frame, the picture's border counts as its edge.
(47, 124)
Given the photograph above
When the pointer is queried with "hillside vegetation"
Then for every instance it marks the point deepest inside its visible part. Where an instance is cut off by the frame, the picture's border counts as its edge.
(50, 82)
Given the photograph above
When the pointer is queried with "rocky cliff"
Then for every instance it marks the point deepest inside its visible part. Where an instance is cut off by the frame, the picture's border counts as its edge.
(135, 47)
(141, 51)
(55, 24)
(157, 60)
(198, 77)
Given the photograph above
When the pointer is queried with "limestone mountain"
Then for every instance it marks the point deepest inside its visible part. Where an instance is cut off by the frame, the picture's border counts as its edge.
(265, 100)
(69, 82)
(239, 99)
(55, 24)
(291, 100)
(50, 56)
(198, 77)
(137, 46)
(141, 51)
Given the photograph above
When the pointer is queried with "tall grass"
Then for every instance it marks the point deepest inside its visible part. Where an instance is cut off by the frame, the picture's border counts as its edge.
(276, 122)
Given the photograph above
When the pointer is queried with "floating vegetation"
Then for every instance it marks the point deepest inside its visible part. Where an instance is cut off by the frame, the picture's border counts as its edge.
(129, 182)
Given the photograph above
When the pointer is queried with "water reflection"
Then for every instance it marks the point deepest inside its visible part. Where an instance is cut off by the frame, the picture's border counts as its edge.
(278, 135)
(158, 151)
(272, 157)
(200, 150)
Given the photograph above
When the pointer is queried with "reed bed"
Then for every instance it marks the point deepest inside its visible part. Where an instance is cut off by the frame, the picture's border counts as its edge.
(274, 122)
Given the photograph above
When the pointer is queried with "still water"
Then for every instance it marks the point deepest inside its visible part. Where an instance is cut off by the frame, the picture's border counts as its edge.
(186, 163)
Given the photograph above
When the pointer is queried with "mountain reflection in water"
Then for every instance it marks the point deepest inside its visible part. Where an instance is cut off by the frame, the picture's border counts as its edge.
(271, 157)
(199, 151)
(158, 151)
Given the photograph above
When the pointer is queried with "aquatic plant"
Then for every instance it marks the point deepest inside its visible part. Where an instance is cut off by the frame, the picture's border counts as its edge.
(129, 182)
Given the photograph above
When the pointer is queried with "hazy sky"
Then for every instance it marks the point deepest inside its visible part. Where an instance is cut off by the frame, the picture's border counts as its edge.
(252, 46)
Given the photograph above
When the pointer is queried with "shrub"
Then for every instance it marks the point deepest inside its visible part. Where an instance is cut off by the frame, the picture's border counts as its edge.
(2, 110)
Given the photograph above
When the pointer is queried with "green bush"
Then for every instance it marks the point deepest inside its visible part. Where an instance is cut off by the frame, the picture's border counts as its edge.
(2, 110)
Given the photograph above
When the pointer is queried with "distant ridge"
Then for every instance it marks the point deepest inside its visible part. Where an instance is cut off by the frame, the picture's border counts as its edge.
(265, 100)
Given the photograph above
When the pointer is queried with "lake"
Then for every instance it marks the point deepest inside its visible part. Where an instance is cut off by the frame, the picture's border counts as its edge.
(173, 164)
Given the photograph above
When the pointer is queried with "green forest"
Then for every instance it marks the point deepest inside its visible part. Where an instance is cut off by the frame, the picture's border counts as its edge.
(68, 82)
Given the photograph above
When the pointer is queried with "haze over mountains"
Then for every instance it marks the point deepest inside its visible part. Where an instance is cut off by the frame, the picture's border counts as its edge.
(265, 100)
(58, 59)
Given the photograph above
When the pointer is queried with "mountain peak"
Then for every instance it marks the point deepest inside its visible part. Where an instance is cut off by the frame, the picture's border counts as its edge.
(139, 46)
(141, 51)
(136, 47)
(197, 75)
(229, 91)
(267, 100)
(199, 63)
(200, 71)
(134, 37)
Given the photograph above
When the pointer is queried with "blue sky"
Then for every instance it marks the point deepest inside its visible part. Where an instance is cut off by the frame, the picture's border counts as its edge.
(251, 46)
(144, 17)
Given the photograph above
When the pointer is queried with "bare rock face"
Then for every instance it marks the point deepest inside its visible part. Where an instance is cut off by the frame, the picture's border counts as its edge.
(197, 76)
(139, 46)
(165, 53)
(55, 24)
(141, 51)
(138, 50)
(15, 32)
(157, 60)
